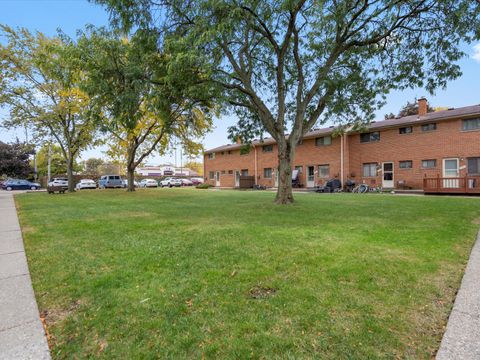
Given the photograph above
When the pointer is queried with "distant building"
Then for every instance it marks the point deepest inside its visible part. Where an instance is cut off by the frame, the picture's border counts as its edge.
(165, 170)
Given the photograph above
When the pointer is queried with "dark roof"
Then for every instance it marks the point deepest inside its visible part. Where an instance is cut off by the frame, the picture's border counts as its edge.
(449, 114)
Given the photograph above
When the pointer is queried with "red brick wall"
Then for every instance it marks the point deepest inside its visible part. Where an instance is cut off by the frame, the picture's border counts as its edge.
(228, 162)
(448, 141)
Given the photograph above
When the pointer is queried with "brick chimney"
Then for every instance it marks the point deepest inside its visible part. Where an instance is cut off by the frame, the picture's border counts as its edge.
(422, 106)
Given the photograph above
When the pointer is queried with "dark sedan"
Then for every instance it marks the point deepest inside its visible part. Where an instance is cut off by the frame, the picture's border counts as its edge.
(15, 184)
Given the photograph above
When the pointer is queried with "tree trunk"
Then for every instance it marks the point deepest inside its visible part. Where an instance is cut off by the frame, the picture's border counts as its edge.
(131, 170)
(71, 183)
(285, 157)
(131, 178)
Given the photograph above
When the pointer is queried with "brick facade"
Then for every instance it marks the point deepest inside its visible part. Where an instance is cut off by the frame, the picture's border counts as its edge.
(448, 140)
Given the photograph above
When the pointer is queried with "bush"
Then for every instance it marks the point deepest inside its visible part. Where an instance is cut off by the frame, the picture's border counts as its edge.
(204, 186)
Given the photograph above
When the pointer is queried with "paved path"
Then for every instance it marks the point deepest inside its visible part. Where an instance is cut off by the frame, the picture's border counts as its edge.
(462, 337)
(21, 331)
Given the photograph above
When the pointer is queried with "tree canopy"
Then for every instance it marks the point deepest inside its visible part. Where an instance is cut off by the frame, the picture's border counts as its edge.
(39, 85)
(410, 108)
(141, 100)
(58, 166)
(286, 66)
(14, 160)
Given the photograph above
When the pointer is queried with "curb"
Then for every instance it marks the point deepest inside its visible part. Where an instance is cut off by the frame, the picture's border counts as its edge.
(461, 340)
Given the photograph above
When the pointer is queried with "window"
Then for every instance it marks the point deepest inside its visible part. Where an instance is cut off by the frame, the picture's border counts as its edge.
(405, 130)
(369, 169)
(471, 124)
(324, 170)
(245, 150)
(223, 172)
(223, 153)
(211, 156)
(323, 141)
(267, 173)
(429, 127)
(473, 166)
(370, 137)
(244, 172)
(230, 172)
(299, 168)
(429, 164)
(267, 148)
(229, 152)
(405, 164)
(211, 175)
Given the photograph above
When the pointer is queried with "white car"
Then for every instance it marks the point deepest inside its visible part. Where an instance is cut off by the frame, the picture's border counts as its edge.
(86, 184)
(148, 183)
(63, 182)
(171, 182)
(125, 183)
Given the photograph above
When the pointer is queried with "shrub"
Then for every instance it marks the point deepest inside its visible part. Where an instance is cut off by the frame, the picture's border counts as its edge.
(204, 186)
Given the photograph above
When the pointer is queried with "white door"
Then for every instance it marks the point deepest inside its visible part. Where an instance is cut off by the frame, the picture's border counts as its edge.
(310, 176)
(237, 178)
(451, 170)
(387, 177)
(275, 175)
(217, 178)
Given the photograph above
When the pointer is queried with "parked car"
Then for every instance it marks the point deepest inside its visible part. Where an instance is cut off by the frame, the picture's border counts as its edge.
(17, 184)
(61, 182)
(148, 183)
(110, 181)
(170, 181)
(196, 180)
(125, 183)
(186, 182)
(86, 184)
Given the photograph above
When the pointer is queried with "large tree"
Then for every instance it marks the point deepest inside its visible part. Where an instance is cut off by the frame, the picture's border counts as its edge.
(289, 65)
(92, 166)
(39, 86)
(142, 103)
(14, 160)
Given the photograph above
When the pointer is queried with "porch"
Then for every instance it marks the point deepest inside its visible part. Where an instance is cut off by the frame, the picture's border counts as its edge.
(452, 185)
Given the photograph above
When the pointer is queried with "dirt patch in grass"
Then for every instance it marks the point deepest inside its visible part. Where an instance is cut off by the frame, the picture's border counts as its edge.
(135, 214)
(261, 292)
(476, 221)
(53, 316)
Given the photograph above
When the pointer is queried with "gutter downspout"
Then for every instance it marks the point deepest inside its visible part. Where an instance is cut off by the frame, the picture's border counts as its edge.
(255, 149)
(204, 172)
(342, 173)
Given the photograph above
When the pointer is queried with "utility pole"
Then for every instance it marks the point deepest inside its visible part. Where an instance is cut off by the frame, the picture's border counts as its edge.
(49, 174)
(34, 154)
(181, 161)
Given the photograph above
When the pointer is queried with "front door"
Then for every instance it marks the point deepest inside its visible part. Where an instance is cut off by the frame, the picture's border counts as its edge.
(451, 170)
(310, 176)
(387, 179)
(237, 178)
(217, 178)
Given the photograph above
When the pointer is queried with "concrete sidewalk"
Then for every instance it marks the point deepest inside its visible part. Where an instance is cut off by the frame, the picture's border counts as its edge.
(461, 340)
(21, 331)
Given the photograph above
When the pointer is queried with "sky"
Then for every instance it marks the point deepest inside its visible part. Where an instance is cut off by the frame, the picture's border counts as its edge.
(70, 15)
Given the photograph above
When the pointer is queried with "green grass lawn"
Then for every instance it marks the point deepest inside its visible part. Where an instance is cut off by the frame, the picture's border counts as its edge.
(185, 273)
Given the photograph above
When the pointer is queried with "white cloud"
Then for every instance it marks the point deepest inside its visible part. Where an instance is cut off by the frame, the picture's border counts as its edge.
(476, 53)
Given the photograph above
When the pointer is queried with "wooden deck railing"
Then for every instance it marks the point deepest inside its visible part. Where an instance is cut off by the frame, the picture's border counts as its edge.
(452, 185)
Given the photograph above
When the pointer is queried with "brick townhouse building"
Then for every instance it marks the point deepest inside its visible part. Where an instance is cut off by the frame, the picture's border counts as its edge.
(395, 153)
